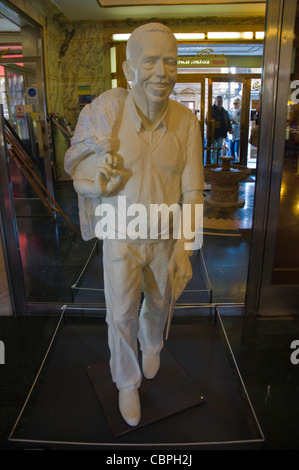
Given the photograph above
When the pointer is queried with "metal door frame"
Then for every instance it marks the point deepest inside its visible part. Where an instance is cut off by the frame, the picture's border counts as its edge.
(196, 78)
(9, 231)
(262, 297)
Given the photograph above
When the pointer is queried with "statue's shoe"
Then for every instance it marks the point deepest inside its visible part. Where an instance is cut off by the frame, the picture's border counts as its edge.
(129, 406)
(150, 365)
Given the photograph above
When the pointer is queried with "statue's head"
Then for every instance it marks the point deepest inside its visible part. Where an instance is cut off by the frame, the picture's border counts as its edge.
(151, 65)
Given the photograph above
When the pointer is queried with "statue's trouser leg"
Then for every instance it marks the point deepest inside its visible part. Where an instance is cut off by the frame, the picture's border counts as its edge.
(129, 268)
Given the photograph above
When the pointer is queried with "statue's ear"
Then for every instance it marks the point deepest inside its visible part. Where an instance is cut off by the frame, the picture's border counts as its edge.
(129, 74)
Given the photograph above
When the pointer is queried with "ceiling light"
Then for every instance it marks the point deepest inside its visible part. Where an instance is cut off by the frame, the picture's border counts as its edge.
(180, 36)
(230, 35)
(200, 36)
(121, 37)
(247, 35)
(187, 36)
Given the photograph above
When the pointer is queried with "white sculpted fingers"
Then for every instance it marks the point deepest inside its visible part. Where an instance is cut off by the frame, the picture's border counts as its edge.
(180, 271)
(102, 173)
(112, 160)
(107, 179)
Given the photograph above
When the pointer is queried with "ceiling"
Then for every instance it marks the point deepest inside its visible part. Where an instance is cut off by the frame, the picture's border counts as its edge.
(7, 26)
(76, 10)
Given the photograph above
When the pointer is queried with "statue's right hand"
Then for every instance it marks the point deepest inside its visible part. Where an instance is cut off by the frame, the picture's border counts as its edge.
(107, 179)
(112, 160)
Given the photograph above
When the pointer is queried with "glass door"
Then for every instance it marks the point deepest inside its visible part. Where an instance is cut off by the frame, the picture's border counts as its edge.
(199, 93)
(23, 105)
(221, 139)
(28, 165)
(233, 95)
(226, 233)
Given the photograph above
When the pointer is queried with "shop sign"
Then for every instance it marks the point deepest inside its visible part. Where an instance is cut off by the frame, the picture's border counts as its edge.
(256, 85)
(204, 58)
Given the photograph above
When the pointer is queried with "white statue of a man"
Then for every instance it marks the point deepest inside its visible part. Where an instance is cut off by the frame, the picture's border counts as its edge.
(146, 147)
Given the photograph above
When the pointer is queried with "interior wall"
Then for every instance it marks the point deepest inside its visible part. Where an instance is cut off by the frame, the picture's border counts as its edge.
(85, 61)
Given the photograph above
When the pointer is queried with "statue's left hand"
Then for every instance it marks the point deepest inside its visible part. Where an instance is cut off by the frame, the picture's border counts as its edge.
(180, 271)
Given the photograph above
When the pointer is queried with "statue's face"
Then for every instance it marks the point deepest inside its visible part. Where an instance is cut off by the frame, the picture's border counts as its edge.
(154, 67)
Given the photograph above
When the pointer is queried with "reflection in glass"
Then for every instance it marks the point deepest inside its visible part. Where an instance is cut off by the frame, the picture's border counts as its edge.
(286, 255)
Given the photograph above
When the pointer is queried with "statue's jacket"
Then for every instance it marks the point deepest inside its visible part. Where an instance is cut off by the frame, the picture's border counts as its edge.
(161, 165)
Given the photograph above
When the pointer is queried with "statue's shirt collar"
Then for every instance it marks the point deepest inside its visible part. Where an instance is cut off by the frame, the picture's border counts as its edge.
(132, 113)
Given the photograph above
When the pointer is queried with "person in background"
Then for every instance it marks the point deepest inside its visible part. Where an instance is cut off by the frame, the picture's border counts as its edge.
(222, 127)
(235, 118)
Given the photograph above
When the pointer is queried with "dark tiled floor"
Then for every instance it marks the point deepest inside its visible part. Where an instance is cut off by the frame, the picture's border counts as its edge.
(261, 348)
(26, 340)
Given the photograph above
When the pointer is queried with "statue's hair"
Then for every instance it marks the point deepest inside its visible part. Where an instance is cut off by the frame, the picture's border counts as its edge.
(133, 40)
